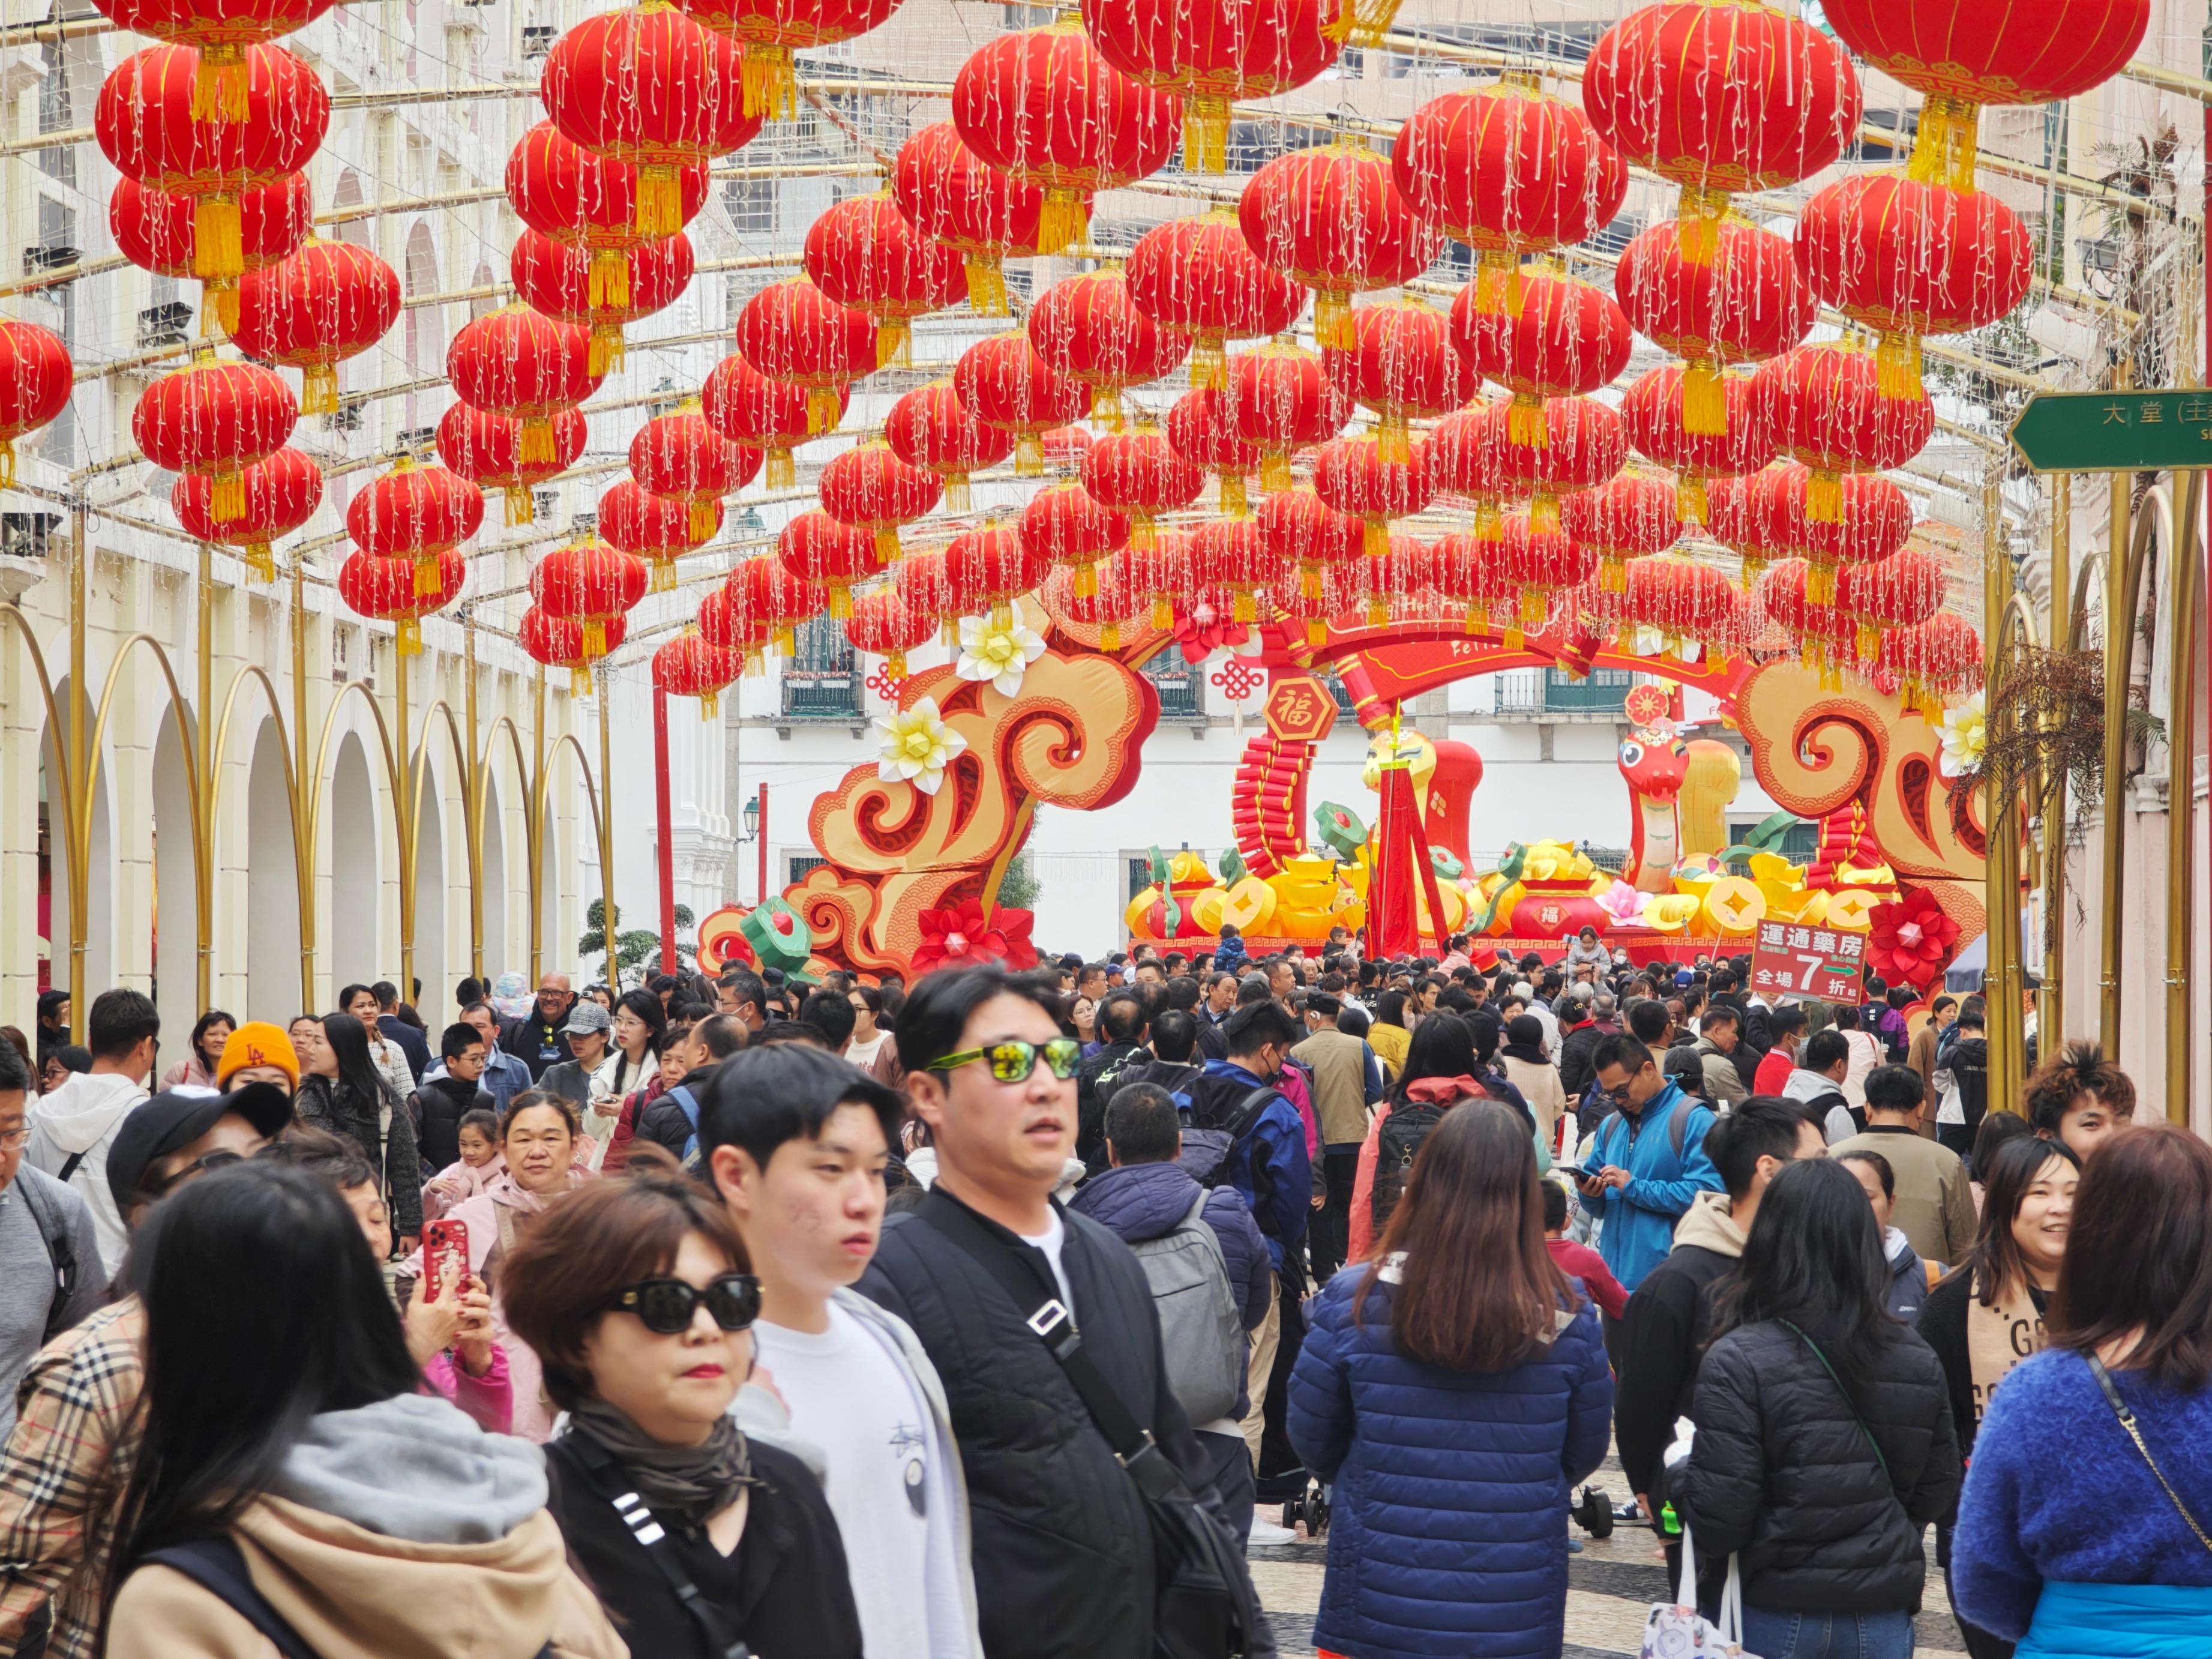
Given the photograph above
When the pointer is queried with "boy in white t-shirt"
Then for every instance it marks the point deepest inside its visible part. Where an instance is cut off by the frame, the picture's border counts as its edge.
(796, 1140)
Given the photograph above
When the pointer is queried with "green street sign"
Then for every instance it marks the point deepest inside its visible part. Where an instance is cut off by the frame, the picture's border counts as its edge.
(2115, 431)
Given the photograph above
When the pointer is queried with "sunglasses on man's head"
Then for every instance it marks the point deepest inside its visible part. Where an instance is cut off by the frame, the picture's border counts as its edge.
(666, 1306)
(1013, 1059)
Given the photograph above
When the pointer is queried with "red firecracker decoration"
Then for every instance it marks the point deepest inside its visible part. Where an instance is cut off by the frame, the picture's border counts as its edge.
(748, 408)
(1746, 303)
(35, 377)
(1826, 408)
(950, 195)
(1213, 54)
(931, 429)
(1632, 517)
(688, 666)
(1284, 401)
(1139, 474)
(654, 529)
(1333, 218)
(281, 494)
(554, 643)
(216, 418)
(392, 590)
(682, 458)
(873, 488)
(1203, 430)
(830, 556)
(153, 229)
(329, 301)
(1567, 339)
(794, 333)
(1403, 366)
(486, 449)
(1090, 328)
(1200, 276)
(416, 513)
(863, 254)
(517, 363)
(1003, 383)
(587, 200)
(1655, 413)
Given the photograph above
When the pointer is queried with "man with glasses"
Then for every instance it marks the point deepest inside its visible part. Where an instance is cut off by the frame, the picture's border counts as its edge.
(536, 1038)
(1648, 1164)
(49, 1276)
(1031, 1315)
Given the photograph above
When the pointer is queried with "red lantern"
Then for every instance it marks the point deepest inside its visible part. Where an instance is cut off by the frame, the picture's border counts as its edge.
(216, 418)
(35, 377)
(218, 35)
(517, 363)
(1655, 413)
(1230, 558)
(1333, 218)
(416, 513)
(1403, 366)
(748, 408)
(1203, 431)
(688, 666)
(924, 583)
(1938, 659)
(1824, 636)
(146, 126)
(829, 555)
(1403, 585)
(1632, 517)
(725, 623)
(770, 31)
(681, 458)
(1114, 598)
(647, 86)
(1043, 105)
(1539, 564)
(329, 301)
(1284, 401)
(1902, 591)
(991, 566)
(1759, 517)
(1140, 474)
(1584, 445)
(392, 590)
(1470, 575)
(580, 197)
(873, 488)
(1201, 277)
(1687, 603)
(1352, 476)
(1962, 54)
(1906, 259)
(592, 586)
(281, 494)
(1066, 527)
(153, 229)
(1721, 99)
(1468, 458)
(486, 449)
(1509, 170)
(950, 195)
(1567, 339)
(1746, 303)
(793, 331)
(1304, 534)
(1005, 383)
(884, 625)
(1872, 524)
(1825, 406)
(654, 529)
(557, 643)
(1090, 328)
(863, 254)
(931, 429)
(1214, 54)
(555, 278)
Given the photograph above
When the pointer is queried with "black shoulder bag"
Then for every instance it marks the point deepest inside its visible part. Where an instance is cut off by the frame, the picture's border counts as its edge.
(1203, 1604)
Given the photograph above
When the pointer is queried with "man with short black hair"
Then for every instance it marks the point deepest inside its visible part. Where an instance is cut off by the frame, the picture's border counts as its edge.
(1091, 982)
(1932, 1202)
(742, 993)
(1788, 1024)
(1648, 1162)
(830, 1013)
(1818, 1080)
(1120, 1027)
(1720, 1039)
(1175, 1062)
(438, 1103)
(1962, 1079)
(73, 1128)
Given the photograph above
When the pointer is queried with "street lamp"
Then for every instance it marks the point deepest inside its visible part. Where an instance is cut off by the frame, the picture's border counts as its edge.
(752, 817)
(755, 815)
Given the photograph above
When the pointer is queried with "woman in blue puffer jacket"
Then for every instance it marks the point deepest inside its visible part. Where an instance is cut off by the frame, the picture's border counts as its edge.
(1453, 1390)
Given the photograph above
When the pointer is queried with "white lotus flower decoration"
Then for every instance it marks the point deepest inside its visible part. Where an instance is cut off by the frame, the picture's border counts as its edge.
(998, 653)
(1642, 640)
(1965, 734)
(918, 745)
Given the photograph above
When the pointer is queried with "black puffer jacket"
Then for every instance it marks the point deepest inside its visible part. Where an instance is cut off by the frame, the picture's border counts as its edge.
(385, 1133)
(1781, 1471)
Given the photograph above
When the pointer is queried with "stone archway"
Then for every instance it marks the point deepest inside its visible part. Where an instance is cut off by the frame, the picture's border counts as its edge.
(355, 869)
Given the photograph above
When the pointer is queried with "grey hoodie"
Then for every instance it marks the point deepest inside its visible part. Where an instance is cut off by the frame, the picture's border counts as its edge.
(80, 1118)
(414, 1468)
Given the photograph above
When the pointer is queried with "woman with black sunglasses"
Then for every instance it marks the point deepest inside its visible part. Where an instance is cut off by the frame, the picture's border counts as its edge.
(635, 1293)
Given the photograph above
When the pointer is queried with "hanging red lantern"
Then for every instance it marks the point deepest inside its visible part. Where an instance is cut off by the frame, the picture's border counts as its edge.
(924, 583)
(1721, 100)
(1003, 383)
(1203, 430)
(584, 199)
(1403, 367)
(517, 363)
(990, 567)
(1748, 303)
(725, 625)
(1228, 557)
(1872, 523)
(555, 643)
(1405, 584)
(1090, 328)
(682, 458)
(950, 195)
(329, 301)
(1654, 412)
(417, 512)
(216, 418)
(1631, 517)
(932, 430)
(1962, 54)
(647, 86)
(1114, 600)
(688, 666)
(1284, 401)
(1756, 517)
(218, 36)
(1825, 637)
(1540, 564)
(1584, 445)
(1309, 601)
(1044, 106)
(1201, 277)
(748, 408)
(1937, 660)
(281, 494)
(1468, 458)
(392, 590)
(1213, 54)
(1907, 259)
(1305, 535)
(144, 121)
(768, 32)
(1469, 574)
(1509, 170)
(873, 488)
(593, 587)
(555, 278)
(1067, 526)
(35, 377)
(1567, 339)
(1140, 474)
(654, 529)
(1688, 604)
(1902, 591)
(884, 625)
(830, 556)
(1333, 218)
(1826, 409)
(486, 449)
(863, 254)
(794, 333)
(153, 229)
(1352, 476)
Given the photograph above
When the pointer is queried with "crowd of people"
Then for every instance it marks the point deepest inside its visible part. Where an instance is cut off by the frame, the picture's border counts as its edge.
(976, 1317)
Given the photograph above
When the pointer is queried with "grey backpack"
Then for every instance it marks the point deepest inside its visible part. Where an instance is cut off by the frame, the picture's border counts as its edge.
(1201, 1336)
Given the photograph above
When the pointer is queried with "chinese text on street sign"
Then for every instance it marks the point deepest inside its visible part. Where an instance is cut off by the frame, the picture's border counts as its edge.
(2115, 431)
(1820, 963)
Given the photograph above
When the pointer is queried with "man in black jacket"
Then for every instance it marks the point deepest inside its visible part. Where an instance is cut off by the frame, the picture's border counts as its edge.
(1058, 1519)
(536, 1038)
(1122, 1040)
(672, 1119)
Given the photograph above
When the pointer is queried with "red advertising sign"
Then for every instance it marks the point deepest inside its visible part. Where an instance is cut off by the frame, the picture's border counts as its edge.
(1817, 963)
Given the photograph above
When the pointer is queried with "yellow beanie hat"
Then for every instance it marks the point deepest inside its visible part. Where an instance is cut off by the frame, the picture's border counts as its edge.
(256, 1042)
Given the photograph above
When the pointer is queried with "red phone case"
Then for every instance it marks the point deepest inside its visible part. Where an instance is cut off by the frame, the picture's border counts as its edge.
(442, 1240)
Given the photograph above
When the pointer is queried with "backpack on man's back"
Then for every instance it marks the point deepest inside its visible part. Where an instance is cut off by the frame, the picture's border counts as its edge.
(1201, 1334)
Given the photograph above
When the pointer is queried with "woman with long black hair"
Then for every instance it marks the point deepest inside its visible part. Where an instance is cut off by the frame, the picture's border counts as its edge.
(342, 1089)
(291, 1469)
(632, 1063)
(1824, 1443)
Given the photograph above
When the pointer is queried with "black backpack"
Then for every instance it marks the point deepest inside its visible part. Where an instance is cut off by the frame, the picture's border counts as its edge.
(1396, 1147)
(1206, 1147)
(53, 1225)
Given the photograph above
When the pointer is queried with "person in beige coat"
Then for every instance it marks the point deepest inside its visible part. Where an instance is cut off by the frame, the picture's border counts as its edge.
(1528, 1068)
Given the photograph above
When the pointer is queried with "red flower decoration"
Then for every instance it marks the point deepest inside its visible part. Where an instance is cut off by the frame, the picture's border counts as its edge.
(1201, 640)
(1910, 939)
(958, 936)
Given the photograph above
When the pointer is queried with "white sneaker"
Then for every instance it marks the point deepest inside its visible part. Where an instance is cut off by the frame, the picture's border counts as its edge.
(1267, 1532)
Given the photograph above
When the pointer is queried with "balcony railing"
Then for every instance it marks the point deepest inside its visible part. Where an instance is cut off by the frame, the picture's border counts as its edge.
(1552, 692)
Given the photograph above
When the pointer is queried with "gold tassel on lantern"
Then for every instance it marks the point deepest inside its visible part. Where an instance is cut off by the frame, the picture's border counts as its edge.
(594, 639)
(1333, 327)
(1526, 424)
(407, 637)
(319, 390)
(1205, 134)
(1378, 610)
(535, 445)
(705, 519)
(1209, 363)
(1363, 22)
(660, 575)
(771, 83)
(1109, 636)
(887, 544)
(1820, 581)
(1472, 621)
(1106, 409)
(1274, 471)
(1235, 502)
(260, 563)
(521, 504)
(1162, 613)
(1144, 532)
(1064, 218)
(1535, 604)
(1243, 606)
(1316, 630)
(1028, 455)
(987, 286)
(605, 354)
(218, 307)
(610, 280)
(780, 471)
(1514, 638)
(1374, 538)
(580, 681)
(426, 574)
(1690, 503)
(7, 464)
(1943, 145)
(1824, 497)
(956, 498)
(1704, 399)
(1754, 568)
(894, 666)
(824, 409)
(841, 601)
(710, 703)
(660, 201)
(1896, 367)
(894, 343)
(1868, 639)
(1489, 520)
(218, 238)
(226, 498)
(1002, 613)
(220, 85)
(1612, 573)
(1394, 440)
(1699, 231)
(1544, 514)
(1084, 583)
(1310, 587)
(1497, 282)
(949, 634)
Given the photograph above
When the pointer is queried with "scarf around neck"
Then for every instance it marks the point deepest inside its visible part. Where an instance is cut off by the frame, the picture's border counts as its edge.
(687, 1483)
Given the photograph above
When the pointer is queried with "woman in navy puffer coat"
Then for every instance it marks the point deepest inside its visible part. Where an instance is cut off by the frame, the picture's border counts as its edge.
(1454, 1391)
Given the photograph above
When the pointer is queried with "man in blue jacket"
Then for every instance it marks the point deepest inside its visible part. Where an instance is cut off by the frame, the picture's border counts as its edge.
(1648, 1164)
